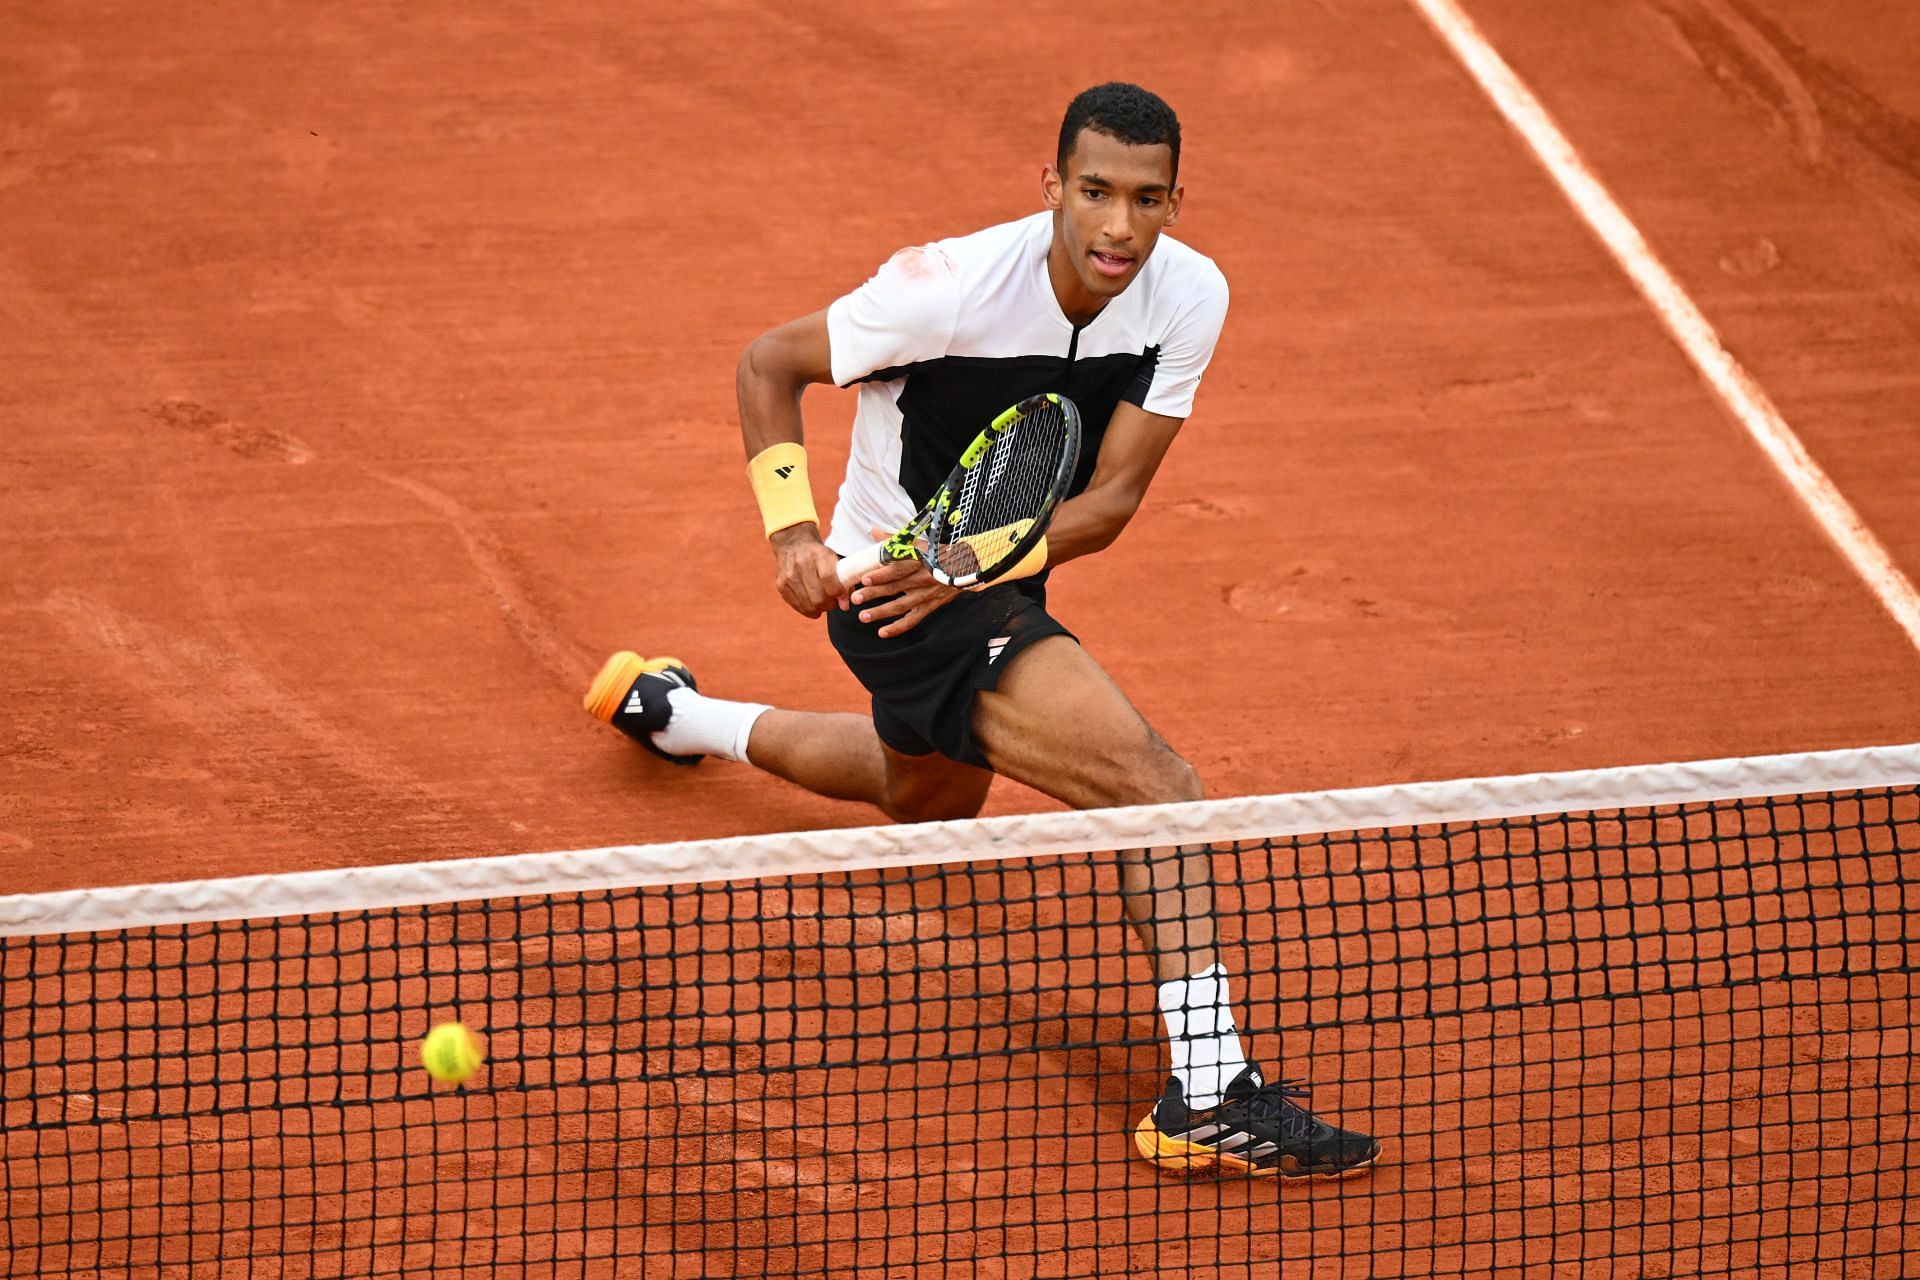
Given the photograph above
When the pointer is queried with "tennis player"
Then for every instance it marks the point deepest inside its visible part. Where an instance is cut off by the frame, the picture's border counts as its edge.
(1087, 299)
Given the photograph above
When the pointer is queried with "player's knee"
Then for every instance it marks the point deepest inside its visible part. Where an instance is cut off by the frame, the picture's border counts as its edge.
(935, 808)
(912, 800)
(1155, 774)
(1184, 779)
(1176, 780)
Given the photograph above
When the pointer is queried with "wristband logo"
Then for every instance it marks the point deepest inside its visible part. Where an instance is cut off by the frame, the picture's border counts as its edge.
(779, 476)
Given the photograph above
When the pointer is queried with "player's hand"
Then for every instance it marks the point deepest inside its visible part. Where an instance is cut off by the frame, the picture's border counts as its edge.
(806, 574)
(901, 590)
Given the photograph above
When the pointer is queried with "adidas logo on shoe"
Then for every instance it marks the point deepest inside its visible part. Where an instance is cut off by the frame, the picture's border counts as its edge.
(1257, 1130)
(630, 693)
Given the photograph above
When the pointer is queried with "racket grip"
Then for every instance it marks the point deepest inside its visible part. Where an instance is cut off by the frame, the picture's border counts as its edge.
(861, 562)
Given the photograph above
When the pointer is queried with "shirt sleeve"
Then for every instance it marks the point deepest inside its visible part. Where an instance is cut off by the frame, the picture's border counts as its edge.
(1183, 354)
(905, 314)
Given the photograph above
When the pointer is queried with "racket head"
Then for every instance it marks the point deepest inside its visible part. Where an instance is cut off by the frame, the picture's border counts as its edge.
(999, 499)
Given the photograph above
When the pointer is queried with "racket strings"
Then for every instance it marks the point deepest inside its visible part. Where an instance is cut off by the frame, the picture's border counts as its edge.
(1004, 492)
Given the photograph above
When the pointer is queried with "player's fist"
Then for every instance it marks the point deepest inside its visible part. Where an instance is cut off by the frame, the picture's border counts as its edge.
(806, 573)
(900, 594)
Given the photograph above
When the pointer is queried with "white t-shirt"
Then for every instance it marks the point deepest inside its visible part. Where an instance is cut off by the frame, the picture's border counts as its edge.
(947, 335)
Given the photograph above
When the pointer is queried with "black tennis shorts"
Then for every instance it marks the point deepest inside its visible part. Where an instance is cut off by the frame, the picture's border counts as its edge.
(923, 682)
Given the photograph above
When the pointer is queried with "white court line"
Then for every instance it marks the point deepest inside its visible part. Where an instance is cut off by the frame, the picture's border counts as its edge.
(1736, 388)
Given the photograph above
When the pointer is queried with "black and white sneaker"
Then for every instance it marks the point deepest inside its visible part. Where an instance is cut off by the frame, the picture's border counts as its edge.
(1258, 1130)
(630, 693)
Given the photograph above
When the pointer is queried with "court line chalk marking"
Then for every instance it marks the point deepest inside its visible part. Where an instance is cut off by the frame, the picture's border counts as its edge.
(1743, 396)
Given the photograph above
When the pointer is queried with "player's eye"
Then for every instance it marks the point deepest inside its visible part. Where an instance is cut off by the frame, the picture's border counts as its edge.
(1093, 193)
(1148, 202)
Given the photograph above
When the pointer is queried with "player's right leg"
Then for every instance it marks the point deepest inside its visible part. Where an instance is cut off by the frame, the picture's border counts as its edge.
(843, 756)
(657, 703)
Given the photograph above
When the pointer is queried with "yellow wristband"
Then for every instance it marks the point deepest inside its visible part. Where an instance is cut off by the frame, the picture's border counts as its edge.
(1031, 563)
(780, 486)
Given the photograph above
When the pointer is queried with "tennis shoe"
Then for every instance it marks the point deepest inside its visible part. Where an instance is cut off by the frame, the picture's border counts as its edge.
(630, 693)
(1258, 1130)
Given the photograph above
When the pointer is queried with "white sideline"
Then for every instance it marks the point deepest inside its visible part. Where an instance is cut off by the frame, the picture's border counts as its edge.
(799, 853)
(1689, 327)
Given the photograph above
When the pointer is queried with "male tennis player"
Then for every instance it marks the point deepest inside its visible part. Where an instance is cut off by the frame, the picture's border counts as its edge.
(1085, 299)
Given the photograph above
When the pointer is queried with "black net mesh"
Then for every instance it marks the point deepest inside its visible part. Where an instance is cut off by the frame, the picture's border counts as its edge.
(1671, 1042)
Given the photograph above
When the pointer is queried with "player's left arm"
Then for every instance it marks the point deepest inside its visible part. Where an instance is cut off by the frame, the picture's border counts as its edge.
(1130, 454)
(1143, 425)
(1136, 439)
(904, 593)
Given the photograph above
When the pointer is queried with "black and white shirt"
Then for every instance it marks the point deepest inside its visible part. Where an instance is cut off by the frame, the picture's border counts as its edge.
(947, 335)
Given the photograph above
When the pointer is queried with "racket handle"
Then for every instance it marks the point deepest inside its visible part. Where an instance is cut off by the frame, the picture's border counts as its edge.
(860, 562)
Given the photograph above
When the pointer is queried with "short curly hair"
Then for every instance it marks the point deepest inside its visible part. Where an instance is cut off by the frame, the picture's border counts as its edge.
(1122, 111)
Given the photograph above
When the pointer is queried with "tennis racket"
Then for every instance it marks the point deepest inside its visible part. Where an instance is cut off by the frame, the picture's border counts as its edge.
(997, 502)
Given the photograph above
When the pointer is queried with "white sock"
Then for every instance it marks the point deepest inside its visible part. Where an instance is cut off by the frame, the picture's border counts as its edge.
(708, 726)
(1206, 1047)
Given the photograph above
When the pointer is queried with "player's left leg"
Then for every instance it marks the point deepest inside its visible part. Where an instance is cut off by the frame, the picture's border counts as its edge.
(1059, 723)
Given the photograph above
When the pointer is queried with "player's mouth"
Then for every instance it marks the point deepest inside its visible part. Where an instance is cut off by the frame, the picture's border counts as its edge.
(1110, 265)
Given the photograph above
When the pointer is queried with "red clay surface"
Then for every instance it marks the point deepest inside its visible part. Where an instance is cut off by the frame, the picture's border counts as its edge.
(370, 379)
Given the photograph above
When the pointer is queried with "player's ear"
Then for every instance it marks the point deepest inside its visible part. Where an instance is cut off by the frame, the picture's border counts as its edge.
(1051, 187)
(1174, 197)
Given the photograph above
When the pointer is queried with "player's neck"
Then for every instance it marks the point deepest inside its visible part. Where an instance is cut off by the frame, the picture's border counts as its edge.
(1078, 303)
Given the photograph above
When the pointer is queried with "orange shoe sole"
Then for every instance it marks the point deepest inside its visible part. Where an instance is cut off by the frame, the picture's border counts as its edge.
(1197, 1160)
(609, 688)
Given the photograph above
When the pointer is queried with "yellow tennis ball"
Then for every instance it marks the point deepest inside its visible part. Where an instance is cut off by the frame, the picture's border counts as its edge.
(451, 1053)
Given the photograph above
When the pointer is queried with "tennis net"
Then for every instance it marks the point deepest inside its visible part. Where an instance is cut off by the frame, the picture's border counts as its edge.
(1644, 1021)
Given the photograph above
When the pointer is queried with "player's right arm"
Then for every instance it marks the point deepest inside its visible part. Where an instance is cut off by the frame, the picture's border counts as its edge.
(773, 374)
(905, 314)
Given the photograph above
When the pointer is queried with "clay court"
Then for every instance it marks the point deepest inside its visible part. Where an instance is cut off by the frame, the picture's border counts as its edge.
(371, 379)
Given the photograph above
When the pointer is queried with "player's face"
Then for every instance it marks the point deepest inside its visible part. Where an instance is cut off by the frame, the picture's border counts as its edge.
(1110, 207)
